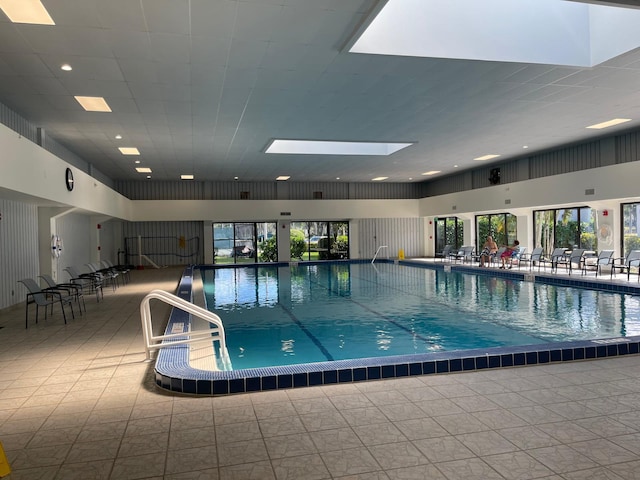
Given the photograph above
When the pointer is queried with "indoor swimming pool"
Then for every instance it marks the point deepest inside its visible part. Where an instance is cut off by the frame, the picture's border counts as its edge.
(300, 325)
(275, 316)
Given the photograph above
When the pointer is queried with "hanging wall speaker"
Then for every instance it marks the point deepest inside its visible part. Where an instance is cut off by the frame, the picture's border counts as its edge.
(494, 176)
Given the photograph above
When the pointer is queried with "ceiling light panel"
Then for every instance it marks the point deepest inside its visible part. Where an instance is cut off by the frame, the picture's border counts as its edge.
(186, 177)
(379, 179)
(26, 11)
(129, 150)
(610, 123)
(487, 157)
(143, 170)
(327, 147)
(431, 172)
(93, 104)
(283, 177)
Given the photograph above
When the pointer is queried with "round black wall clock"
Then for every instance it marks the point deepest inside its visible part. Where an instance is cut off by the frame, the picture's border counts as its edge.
(68, 179)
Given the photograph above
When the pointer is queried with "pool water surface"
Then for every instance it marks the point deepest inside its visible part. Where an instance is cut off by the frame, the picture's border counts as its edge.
(275, 316)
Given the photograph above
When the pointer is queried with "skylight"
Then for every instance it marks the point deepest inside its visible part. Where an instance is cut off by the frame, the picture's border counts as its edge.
(326, 147)
(553, 32)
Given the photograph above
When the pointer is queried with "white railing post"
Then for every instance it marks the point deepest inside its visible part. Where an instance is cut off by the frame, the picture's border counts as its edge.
(377, 251)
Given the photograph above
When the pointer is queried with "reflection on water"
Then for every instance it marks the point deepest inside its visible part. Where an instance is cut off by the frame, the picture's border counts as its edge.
(311, 313)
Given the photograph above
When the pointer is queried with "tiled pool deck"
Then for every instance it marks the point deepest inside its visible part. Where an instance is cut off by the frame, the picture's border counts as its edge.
(78, 402)
(174, 373)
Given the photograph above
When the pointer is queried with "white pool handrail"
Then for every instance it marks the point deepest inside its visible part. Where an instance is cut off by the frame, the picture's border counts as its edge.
(378, 251)
(154, 342)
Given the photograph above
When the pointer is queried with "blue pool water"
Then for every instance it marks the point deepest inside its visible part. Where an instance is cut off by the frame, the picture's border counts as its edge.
(276, 316)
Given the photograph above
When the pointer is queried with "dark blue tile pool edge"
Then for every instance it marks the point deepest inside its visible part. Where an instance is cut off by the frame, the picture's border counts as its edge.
(173, 373)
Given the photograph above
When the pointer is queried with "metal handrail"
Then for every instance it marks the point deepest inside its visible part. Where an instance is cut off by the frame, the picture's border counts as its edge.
(154, 342)
(377, 251)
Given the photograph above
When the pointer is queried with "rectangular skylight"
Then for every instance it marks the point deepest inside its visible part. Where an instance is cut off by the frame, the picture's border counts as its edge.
(379, 179)
(487, 157)
(431, 172)
(93, 104)
(283, 177)
(143, 170)
(610, 123)
(327, 147)
(186, 177)
(26, 11)
(129, 150)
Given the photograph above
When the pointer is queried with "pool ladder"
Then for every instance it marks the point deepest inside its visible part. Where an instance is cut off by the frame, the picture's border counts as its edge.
(378, 251)
(154, 342)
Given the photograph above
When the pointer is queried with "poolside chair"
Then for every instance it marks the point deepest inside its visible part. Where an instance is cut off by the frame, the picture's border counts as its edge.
(44, 298)
(532, 258)
(576, 257)
(446, 251)
(122, 269)
(88, 281)
(558, 256)
(72, 289)
(632, 260)
(106, 275)
(604, 259)
(465, 254)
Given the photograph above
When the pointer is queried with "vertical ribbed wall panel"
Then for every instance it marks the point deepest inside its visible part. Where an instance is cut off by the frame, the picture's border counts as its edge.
(628, 147)
(366, 190)
(19, 252)
(566, 160)
(232, 190)
(73, 229)
(161, 242)
(18, 124)
(60, 151)
(396, 233)
(329, 191)
(449, 184)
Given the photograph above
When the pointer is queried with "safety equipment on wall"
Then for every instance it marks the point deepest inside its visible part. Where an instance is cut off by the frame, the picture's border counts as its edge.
(56, 246)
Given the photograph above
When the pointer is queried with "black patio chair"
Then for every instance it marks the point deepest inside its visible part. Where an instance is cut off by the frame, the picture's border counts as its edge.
(45, 297)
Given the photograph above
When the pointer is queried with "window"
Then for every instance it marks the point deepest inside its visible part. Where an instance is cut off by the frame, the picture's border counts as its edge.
(245, 242)
(319, 240)
(565, 228)
(630, 227)
(449, 231)
(503, 227)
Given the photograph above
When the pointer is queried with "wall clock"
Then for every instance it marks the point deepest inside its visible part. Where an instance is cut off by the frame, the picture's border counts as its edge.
(68, 179)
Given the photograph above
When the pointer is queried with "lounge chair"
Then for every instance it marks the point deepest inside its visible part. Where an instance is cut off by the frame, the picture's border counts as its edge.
(88, 281)
(45, 297)
(122, 269)
(576, 257)
(465, 254)
(532, 258)
(558, 256)
(445, 253)
(632, 260)
(604, 259)
(72, 289)
(105, 274)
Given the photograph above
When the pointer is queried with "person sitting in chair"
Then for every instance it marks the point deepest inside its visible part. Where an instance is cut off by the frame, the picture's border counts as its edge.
(509, 254)
(489, 250)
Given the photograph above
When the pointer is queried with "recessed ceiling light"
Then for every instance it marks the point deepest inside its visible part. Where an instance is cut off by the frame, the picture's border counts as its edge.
(455, 166)
(118, 137)
(66, 67)
(410, 178)
(148, 176)
(235, 178)
(325, 147)
(525, 146)
(136, 162)
(26, 11)
(129, 150)
(610, 123)
(143, 170)
(487, 157)
(337, 178)
(186, 177)
(379, 179)
(93, 104)
(431, 172)
(283, 177)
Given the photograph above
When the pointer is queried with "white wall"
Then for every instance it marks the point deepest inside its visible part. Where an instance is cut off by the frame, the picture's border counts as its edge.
(18, 249)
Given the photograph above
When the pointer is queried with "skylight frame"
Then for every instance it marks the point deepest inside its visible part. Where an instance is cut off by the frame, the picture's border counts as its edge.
(334, 147)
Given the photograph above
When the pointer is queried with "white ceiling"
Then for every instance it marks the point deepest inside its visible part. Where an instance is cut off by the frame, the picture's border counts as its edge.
(203, 86)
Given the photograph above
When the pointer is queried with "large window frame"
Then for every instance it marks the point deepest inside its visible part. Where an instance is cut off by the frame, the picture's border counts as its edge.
(503, 227)
(569, 227)
(630, 227)
(244, 242)
(315, 240)
(448, 231)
